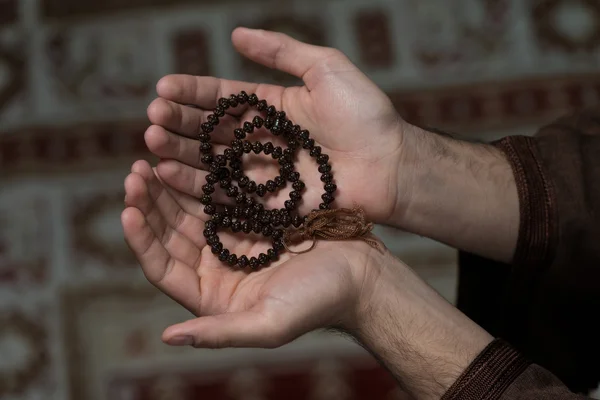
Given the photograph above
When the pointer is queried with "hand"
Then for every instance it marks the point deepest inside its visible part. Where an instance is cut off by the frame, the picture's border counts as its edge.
(268, 308)
(347, 115)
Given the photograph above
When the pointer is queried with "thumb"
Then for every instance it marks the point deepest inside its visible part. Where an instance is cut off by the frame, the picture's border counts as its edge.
(238, 329)
(279, 51)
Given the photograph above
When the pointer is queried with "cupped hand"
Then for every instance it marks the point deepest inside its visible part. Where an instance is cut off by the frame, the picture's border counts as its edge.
(352, 120)
(266, 308)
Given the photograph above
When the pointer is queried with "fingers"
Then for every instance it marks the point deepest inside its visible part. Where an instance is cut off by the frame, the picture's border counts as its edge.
(180, 232)
(205, 92)
(239, 329)
(170, 275)
(189, 181)
(279, 51)
(186, 120)
(168, 145)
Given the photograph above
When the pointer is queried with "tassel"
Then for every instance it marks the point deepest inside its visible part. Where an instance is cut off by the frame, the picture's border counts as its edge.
(335, 224)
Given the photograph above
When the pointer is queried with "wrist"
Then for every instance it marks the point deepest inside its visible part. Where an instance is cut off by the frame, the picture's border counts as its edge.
(469, 185)
(423, 340)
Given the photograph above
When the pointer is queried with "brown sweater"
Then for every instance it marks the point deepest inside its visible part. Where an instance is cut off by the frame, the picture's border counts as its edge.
(546, 302)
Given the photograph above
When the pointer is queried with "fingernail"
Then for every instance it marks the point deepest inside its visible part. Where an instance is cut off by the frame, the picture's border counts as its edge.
(181, 341)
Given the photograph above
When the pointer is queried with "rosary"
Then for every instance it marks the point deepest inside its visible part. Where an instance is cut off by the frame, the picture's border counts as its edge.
(282, 226)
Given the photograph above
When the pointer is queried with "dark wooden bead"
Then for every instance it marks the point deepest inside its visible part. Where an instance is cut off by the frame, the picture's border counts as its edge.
(212, 240)
(257, 147)
(210, 209)
(213, 119)
(258, 122)
(224, 255)
(217, 217)
(253, 263)
(308, 144)
(268, 148)
(224, 103)
(246, 227)
(265, 217)
(277, 234)
(327, 177)
(263, 259)
(232, 259)
(206, 199)
(322, 159)
(261, 105)
(286, 220)
(232, 191)
(269, 122)
(276, 219)
(219, 111)
(323, 168)
(240, 198)
(251, 188)
(224, 183)
(237, 174)
(247, 146)
(280, 115)
(267, 230)
(278, 245)
(297, 221)
(229, 154)
(248, 127)
(243, 262)
(207, 127)
(271, 110)
(256, 226)
(294, 176)
(205, 147)
(296, 196)
(279, 181)
(272, 254)
(233, 101)
(330, 187)
(316, 151)
(323, 206)
(327, 198)
(243, 181)
(293, 144)
(226, 222)
(220, 158)
(303, 135)
(204, 137)
(242, 97)
(261, 190)
(237, 211)
(253, 99)
(239, 134)
(271, 186)
(210, 224)
(258, 207)
(236, 226)
(276, 128)
(290, 204)
(277, 152)
(298, 186)
(207, 158)
(208, 232)
(212, 179)
(216, 248)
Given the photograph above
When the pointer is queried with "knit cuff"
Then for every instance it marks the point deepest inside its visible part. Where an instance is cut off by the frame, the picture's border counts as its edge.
(538, 228)
(490, 374)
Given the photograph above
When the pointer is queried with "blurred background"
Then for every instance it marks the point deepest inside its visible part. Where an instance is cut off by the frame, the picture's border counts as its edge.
(77, 319)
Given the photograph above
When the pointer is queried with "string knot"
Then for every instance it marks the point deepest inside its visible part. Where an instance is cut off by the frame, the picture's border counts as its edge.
(334, 224)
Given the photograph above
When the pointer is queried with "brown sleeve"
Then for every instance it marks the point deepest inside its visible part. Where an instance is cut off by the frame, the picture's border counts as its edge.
(502, 373)
(545, 302)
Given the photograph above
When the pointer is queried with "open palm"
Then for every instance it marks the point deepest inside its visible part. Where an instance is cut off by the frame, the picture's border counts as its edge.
(347, 115)
(267, 308)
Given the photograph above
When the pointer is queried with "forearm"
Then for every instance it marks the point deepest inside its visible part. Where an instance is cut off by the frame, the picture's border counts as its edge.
(459, 193)
(416, 334)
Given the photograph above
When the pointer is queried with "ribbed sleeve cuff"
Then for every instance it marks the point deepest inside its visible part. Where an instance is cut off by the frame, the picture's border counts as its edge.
(489, 375)
(538, 229)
